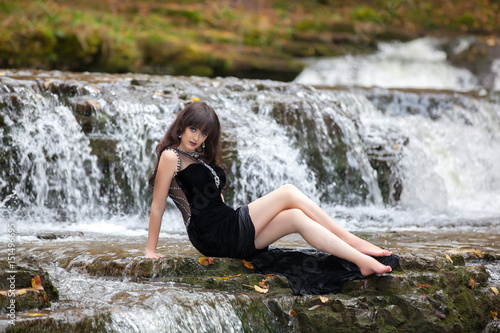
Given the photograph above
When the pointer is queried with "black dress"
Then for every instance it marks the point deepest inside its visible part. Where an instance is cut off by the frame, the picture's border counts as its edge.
(214, 228)
(217, 230)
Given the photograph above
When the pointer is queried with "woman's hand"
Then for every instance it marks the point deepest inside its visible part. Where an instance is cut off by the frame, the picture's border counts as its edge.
(153, 255)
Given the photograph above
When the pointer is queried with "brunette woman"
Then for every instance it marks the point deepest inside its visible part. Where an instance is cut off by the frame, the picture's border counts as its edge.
(188, 170)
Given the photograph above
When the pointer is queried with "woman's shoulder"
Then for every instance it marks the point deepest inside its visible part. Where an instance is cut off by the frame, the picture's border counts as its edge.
(169, 157)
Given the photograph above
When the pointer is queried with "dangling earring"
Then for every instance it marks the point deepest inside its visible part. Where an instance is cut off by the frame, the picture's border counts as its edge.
(180, 136)
(203, 145)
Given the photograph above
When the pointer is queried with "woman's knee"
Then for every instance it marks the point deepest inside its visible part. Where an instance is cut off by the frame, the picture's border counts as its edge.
(290, 191)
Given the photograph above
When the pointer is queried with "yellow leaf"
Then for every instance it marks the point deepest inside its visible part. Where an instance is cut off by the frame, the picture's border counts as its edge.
(47, 83)
(495, 290)
(4, 292)
(195, 99)
(293, 313)
(36, 283)
(262, 284)
(324, 299)
(494, 314)
(449, 258)
(34, 314)
(472, 283)
(247, 264)
(205, 261)
(476, 253)
(260, 290)
(226, 277)
(314, 307)
(21, 291)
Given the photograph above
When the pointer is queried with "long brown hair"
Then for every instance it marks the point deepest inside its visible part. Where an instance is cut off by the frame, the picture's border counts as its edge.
(201, 116)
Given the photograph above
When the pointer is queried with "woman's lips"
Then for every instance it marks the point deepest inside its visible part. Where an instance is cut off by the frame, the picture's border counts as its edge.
(192, 143)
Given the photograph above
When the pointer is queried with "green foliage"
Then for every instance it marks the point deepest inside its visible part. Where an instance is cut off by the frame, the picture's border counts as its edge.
(365, 13)
(157, 37)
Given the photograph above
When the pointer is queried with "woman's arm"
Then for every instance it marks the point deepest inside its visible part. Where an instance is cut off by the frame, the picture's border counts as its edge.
(166, 169)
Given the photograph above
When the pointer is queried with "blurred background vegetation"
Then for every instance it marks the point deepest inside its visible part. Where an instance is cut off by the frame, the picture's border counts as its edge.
(242, 38)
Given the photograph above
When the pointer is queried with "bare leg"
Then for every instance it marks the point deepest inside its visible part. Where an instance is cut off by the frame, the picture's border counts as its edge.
(294, 220)
(264, 209)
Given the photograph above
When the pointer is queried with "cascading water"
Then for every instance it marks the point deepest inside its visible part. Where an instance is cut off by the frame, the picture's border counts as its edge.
(417, 64)
(77, 149)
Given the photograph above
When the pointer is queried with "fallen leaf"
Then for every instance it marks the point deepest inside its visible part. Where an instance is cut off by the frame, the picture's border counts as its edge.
(36, 283)
(262, 284)
(257, 288)
(34, 314)
(395, 147)
(314, 307)
(293, 313)
(195, 99)
(399, 276)
(494, 314)
(21, 291)
(4, 292)
(247, 264)
(205, 261)
(449, 258)
(423, 285)
(440, 314)
(47, 83)
(472, 283)
(440, 292)
(495, 290)
(260, 290)
(226, 277)
(269, 275)
(474, 252)
(324, 299)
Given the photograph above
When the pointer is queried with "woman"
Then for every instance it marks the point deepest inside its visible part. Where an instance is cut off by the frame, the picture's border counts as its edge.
(187, 169)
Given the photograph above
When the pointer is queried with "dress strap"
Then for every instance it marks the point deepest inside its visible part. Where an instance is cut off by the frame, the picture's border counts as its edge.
(178, 158)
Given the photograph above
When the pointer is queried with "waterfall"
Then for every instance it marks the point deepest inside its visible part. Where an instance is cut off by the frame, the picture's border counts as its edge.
(420, 64)
(78, 148)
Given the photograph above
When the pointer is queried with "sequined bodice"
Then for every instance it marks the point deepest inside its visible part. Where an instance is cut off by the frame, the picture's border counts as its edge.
(194, 188)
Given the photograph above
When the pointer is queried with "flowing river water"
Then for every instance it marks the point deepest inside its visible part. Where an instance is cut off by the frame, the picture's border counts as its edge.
(417, 162)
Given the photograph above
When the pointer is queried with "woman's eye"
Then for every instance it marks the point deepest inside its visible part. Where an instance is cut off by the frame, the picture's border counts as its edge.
(204, 134)
(193, 129)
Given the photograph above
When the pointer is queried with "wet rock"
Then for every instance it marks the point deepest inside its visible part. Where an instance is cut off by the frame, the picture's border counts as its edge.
(58, 235)
(16, 280)
(427, 292)
(70, 323)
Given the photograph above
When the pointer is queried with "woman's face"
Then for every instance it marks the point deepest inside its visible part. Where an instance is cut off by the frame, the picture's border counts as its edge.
(192, 138)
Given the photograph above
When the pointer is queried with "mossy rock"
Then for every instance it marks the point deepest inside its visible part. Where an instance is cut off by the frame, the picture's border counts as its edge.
(23, 271)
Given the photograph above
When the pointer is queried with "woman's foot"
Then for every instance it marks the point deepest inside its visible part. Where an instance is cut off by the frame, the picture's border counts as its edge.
(369, 266)
(368, 248)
